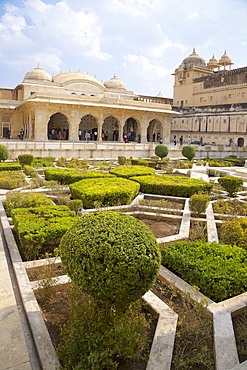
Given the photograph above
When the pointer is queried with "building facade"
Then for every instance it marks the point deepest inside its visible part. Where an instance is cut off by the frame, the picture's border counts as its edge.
(212, 101)
(73, 106)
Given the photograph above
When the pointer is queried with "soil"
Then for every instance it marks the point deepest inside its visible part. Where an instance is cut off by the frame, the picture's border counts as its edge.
(56, 313)
(160, 228)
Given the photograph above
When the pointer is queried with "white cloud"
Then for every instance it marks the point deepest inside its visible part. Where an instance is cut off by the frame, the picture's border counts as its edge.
(140, 64)
(134, 7)
(193, 17)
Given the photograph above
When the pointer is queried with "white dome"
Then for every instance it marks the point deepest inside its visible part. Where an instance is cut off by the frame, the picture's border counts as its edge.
(194, 60)
(38, 74)
(67, 77)
(115, 83)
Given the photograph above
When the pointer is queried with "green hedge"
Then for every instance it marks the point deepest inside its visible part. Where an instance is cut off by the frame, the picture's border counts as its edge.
(234, 232)
(10, 167)
(12, 179)
(42, 163)
(40, 229)
(26, 200)
(220, 272)
(25, 159)
(231, 184)
(69, 175)
(130, 171)
(104, 191)
(172, 185)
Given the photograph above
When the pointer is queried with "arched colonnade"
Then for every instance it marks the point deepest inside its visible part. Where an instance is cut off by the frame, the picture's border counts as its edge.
(108, 128)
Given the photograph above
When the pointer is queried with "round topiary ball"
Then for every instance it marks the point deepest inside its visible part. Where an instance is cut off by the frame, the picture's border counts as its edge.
(189, 152)
(161, 151)
(4, 153)
(111, 256)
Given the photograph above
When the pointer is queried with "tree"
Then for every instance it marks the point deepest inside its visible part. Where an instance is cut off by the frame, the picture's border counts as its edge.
(189, 152)
(111, 256)
(161, 151)
(4, 153)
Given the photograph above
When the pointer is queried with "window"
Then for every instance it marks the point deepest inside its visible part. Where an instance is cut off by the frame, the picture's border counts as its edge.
(211, 98)
(230, 95)
(243, 94)
(188, 75)
(200, 99)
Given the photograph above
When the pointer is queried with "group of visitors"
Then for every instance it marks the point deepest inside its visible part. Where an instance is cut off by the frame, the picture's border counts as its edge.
(58, 134)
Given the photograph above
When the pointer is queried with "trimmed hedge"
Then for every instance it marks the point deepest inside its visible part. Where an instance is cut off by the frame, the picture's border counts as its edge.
(198, 203)
(111, 256)
(231, 184)
(189, 152)
(104, 191)
(161, 151)
(130, 171)
(42, 163)
(70, 175)
(10, 167)
(220, 272)
(12, 180)
(26, 200)
(25, 159)
(40, 229)
(172, 185)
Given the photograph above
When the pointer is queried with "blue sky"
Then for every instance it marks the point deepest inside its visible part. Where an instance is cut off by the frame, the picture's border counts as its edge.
(141, 41)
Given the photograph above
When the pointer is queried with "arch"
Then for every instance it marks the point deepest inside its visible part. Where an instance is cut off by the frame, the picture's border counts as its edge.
(110, 129)
(58, 127)
(154, 130)
(240, 141)
(132, 129)
(88, 123)
(5, 126)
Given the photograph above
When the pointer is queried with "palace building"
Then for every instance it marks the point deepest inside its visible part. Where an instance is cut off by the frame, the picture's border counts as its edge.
(72, 104)
(212, 101)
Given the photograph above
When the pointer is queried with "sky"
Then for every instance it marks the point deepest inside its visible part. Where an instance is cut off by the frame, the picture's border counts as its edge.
(142, 42)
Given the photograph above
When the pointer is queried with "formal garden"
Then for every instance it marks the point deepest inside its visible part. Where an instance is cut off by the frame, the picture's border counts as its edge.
(106, 230)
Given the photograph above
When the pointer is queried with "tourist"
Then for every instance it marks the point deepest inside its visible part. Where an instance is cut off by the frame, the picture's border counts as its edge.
(175, 140)
(87, 136)
(160, 141)
(181, 140)
(201, 140)
(79, 134)
(189, 140)
(22, 134)
(154, 137)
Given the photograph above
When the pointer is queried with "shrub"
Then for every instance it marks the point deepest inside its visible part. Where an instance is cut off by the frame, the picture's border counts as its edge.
(42, 163)
(4, 153)
(115, 335)
(40, 229)
(62, 162)
(230, 207)
(129, 171)
(111, 256)
(104, 191)
(12, 180)
(69, 175)
(25, 159)
(219, 271)
(170, 185)
(29, 171)
(10, 167)
(75, 205)
(198, 203)
(189, 152)
(161, 151)
(231, 184)
(234, 232)
(122, 160)
(26, 200)
(76, 163)
(47, 159)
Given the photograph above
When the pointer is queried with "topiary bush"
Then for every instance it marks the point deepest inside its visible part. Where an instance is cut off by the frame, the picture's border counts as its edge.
(122, 160)
(129, 171)
(4, 153)
(70, 175)
(231, 184)
(174, 186)
(189, 152)
(75, 205)
(234, 232)
(104, 191)
(10, 167)
(12, 179)
(25, 159)
(111, 256)
(161, 151)
(198, 203)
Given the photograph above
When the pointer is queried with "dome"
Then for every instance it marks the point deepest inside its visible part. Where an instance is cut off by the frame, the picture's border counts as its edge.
(213, 63)
(115, 83)
(38, 74)
(194, 60)
(69, 77)
(225, 60)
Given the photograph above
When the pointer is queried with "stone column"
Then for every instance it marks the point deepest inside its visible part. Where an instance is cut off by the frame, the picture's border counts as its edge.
(41, 122)
(144, 126)
(166, 126)
(121, 126)
(100, 124)
(74, 121)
